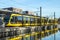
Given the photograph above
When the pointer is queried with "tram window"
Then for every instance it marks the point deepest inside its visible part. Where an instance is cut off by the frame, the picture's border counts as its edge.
(19, 18)
(26, 19)
(38, 21)
(32, 20)
(16, 19)
(6, 18)
(49, 21)
(35, 20)
(13, 19)
(45, 21)
(54, 21)
(23, 21)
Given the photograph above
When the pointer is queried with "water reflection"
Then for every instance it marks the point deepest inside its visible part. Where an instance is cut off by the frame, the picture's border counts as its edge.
(51, 37)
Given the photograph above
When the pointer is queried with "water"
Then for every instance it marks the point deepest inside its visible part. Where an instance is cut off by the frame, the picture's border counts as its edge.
(51, 37)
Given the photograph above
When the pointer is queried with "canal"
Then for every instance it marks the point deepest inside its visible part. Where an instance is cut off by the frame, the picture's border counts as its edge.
(55, 36)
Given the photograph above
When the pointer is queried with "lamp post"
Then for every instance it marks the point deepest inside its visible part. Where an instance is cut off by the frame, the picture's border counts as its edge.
(40, 20)
(54, 27)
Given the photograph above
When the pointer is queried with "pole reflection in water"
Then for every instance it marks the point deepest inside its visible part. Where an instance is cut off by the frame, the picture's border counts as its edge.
(51, 37)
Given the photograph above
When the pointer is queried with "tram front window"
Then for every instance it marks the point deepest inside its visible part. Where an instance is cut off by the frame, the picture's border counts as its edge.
(6, 18)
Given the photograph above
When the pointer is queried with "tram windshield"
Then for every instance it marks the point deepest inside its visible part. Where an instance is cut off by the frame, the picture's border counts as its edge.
(6, 18)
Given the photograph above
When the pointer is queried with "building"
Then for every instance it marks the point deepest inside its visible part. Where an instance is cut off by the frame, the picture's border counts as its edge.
(17, 10)
(28, 12)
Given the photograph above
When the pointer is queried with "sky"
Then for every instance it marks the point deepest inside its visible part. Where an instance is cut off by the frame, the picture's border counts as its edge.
(48, 6)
